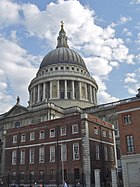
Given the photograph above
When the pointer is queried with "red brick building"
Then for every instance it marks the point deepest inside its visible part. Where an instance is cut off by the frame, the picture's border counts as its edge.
(74, 149)
(129, 127)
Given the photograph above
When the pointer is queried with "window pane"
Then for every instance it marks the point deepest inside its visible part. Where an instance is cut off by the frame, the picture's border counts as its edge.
(52, 154)
(76, 151)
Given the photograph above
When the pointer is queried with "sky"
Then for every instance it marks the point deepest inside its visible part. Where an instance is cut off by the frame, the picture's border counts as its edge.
(106, 33)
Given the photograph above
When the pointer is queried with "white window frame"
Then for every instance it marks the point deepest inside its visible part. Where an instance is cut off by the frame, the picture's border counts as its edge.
(76, 155)
(97, 152)
(104, 133)
(52, 153)
(63, 131)
(41, 155)
(32, 136)
(14, 157)
(75, 129)
(63, 152)
(111, 154)
(42, 134)
(31, 155)
(127, 119)
(22, 156)
(110, 134)
(23, 137)
(52, 133)
(105, 153)
(96, 130)
(15, 139)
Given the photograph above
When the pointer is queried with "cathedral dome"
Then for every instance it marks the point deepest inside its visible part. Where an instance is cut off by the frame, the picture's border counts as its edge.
(62, 53)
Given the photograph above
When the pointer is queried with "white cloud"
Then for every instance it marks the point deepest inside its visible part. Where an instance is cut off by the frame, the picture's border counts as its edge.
(100, 47)
(9, 13)
(15, 72)
(135, 2)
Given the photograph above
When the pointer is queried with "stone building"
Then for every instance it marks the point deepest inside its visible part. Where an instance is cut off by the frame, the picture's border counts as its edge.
(61, 92)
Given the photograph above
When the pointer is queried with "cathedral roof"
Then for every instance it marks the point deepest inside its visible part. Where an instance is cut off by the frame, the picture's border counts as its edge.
(62, 53)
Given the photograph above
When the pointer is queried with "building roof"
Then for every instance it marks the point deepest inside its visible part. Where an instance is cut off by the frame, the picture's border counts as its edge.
(62, 53)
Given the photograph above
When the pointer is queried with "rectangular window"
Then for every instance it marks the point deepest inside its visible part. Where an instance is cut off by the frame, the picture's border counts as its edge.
(52, 133)
(41, 175)
(104, 133)
(75, 129)
(52, 174)
(42, 134)
(97, 152)
(32, 136)
(111, 154)
(63, 131)
(52, 154)
(110, 134)
(76, 173)
(14, 157)
(31, 155)
(22, 175)
(41, 154)
(96, 130)
(15, 139)
(127, 119)
(23, 138)
(63, 152)
(130, 143)
(105, 153)
(13, 175)
(32, 176)
(76, 155)
(22, 156)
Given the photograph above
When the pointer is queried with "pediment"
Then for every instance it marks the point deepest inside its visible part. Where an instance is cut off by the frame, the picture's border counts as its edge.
(16, 110)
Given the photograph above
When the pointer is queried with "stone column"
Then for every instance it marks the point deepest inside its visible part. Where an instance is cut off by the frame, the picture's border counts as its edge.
(34, 95)
(38, 93)
(80, 91)
(44, 91)
(114, 177)
(50, 90)
(73, 95)
(86, 150)
(58, 90)
(65, 90)
(97, 177)
(90, 95)
(86, 91)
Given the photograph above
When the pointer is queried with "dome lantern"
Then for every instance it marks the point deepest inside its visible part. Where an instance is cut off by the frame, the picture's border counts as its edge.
(62, 38)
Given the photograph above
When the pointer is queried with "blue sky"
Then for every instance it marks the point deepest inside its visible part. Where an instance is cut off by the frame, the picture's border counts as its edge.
(105, 33)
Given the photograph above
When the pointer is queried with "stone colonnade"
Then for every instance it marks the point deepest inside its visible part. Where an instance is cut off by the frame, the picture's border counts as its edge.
(63, 89)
